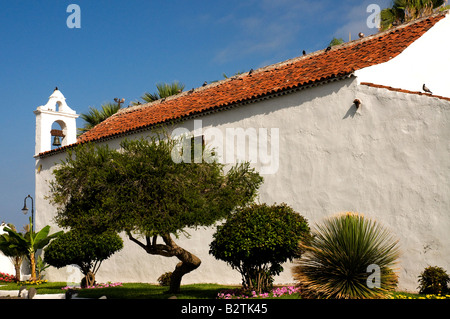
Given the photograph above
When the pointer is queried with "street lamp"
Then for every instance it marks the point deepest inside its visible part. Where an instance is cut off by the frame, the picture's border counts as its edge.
(25, 210)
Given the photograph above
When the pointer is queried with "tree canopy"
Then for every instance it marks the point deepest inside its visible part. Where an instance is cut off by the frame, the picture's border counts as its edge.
(257, 239)
(86, 250)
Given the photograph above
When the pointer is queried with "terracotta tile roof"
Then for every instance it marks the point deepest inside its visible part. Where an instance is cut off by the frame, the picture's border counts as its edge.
(313, 68)
(390, 88)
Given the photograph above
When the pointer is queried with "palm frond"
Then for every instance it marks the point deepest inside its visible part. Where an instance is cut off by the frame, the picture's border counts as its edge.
(95, 116)
(164, 90)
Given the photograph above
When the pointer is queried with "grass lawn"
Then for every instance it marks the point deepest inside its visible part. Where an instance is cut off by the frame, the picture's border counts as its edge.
(149, 291)
(128, 290)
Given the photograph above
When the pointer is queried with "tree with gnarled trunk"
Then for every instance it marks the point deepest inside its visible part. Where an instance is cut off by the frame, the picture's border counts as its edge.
(141, 190)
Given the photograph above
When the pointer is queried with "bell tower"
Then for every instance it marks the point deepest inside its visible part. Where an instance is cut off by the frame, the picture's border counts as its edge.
(55, 112)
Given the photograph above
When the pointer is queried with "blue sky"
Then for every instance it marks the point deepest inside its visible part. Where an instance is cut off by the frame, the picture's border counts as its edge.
(124, 48)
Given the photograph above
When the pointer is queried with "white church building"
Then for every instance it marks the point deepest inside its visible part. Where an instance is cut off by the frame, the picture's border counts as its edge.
(346, 129)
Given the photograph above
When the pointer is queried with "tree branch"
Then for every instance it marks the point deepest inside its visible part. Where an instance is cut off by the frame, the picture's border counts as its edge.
(153, 248)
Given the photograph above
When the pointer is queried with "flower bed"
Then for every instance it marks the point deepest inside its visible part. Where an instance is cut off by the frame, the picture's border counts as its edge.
(275, 293)
(97, 286)
(6, 277)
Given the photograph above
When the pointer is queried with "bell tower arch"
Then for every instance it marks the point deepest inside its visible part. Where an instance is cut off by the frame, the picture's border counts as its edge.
(56, 111)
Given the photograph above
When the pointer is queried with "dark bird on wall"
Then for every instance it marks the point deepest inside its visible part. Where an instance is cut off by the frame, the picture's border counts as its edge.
(424, 87)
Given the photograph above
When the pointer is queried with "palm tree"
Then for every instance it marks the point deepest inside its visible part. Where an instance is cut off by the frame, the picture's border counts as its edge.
(164, 90)
(338, 258)
(30, 242)
(406, 10)
(95, 116)
(10, 248)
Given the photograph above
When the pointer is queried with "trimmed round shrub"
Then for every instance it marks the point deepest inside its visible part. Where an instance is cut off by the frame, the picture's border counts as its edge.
(349, 257)
(86, 250)
(257, 239)
(434, 280)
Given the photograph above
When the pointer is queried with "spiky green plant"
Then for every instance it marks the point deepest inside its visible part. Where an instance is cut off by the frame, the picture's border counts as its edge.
(96, 116)
(338, 257)
(164, 90)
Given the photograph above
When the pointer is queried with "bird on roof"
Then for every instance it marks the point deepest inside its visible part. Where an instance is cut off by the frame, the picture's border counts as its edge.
(424, 87)
(304, 52)
(361, 35)
(328, 49)
(250, 72)
(205, 83)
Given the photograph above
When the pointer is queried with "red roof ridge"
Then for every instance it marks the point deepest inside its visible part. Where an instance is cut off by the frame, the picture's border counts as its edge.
(303, 71)
(287, 62)
(390, 88)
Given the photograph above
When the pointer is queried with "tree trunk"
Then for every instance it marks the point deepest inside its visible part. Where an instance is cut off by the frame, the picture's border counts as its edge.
(17, 269)
(188, 261)
(33, 266)
(90, 279)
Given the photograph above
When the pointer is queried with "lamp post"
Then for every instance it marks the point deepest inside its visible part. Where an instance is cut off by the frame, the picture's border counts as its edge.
(25, 210)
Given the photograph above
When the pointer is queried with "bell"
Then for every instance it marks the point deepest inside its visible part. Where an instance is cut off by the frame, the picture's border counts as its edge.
(56, 141)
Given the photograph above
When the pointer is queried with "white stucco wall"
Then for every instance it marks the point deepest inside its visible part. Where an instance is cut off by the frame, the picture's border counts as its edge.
(389, 160)
(426, 61)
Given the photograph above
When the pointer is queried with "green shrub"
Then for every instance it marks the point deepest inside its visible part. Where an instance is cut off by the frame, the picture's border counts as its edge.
(257, 239)
(336, 263)
(434, 280)
(164, 279)
(86, 250)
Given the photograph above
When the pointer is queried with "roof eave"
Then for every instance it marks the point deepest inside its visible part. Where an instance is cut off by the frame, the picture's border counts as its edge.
(214, 109)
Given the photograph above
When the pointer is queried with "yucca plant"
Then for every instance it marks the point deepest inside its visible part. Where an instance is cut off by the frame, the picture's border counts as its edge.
(337, 259)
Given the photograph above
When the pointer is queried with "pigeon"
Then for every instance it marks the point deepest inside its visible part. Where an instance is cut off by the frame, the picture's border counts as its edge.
(328, 49)
(304, 52)
(361, 35)
(205, 83)
(424, 87)
(250, 72)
